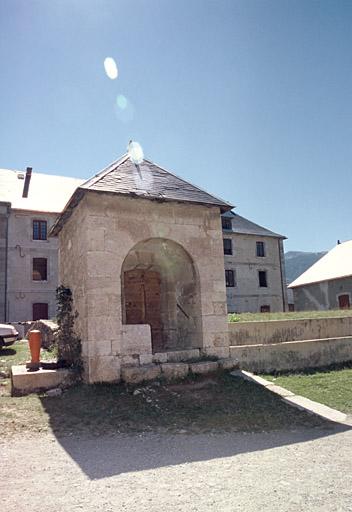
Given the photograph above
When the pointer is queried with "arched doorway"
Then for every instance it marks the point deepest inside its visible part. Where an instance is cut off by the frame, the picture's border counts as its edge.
(160, 287)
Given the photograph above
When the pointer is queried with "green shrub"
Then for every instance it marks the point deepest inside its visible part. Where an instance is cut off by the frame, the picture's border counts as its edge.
(68, 343)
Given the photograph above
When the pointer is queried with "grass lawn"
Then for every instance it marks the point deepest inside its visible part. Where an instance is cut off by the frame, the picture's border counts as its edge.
(295, 315)
(217, 403)
(329, 387)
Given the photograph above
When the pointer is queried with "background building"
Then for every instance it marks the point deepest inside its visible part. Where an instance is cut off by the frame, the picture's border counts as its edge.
(30, 203)
(328, 283)
(254, 266)
(28, 258)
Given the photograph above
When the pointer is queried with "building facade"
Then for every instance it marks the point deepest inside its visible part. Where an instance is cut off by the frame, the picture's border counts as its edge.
(4, 222)
(254, 267)
(28, 257)
(328, 283)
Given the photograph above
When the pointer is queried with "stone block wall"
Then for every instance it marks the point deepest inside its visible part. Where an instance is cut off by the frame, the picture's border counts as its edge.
(94, 243)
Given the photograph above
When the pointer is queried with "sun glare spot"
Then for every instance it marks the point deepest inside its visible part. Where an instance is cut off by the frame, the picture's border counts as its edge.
(111, 68)
(135, 152)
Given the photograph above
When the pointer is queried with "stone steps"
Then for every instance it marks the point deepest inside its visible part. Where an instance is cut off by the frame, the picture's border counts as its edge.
(171, 371)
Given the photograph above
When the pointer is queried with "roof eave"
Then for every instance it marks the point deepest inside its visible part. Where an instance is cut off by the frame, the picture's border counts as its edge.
(224, 207)
(81, 191)
(67, 211)
(293, 285)
(273, 235)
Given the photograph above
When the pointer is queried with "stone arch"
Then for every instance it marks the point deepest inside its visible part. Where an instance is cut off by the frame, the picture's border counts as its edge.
(160, 287)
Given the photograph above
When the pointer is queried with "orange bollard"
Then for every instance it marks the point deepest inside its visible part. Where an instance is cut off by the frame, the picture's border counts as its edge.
(35, 342)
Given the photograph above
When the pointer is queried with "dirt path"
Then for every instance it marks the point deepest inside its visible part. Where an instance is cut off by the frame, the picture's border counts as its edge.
(286, 471)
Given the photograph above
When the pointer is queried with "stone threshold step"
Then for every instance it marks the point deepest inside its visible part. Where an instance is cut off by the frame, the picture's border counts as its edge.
(171, 371)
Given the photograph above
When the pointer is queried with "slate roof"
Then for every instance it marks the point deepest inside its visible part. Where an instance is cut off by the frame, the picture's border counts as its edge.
(46, 193)
(146, 180)
(244, 226)
(150, 181)
(336, 264)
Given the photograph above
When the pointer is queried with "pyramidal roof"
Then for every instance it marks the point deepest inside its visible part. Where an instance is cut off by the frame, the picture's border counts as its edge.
(149, 180)
(336, 264)
(146, 180)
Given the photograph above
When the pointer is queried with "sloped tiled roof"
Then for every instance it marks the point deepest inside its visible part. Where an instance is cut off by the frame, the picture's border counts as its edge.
(336, 264)
(150, 181)
(146, 180)
(46, 193)
(246, 227)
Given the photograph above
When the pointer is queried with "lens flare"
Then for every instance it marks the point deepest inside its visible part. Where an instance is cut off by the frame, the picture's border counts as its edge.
(135, 152)
(111, 68)
(122, 101)
(124, 109)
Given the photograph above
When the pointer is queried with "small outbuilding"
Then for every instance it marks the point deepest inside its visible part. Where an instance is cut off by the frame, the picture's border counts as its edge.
(140, 249)
(328, 283)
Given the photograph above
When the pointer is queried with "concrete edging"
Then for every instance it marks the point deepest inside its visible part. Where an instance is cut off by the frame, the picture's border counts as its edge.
(298, 401)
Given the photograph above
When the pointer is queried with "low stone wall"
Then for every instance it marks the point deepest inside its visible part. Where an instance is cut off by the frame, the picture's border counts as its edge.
(294, 355)
(279, 331)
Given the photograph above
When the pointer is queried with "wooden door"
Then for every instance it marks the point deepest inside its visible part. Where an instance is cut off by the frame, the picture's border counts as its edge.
(344, 301)
(142, 302)
(40, 311)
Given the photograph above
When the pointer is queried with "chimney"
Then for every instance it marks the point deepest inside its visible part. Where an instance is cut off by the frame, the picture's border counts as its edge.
(27, 181)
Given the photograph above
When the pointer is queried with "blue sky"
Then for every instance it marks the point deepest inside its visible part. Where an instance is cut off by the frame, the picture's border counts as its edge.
(248, 99)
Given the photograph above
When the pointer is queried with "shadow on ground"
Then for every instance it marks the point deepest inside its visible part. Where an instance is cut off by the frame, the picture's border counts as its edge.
(113, 429)
(7, 352)
(108, 456)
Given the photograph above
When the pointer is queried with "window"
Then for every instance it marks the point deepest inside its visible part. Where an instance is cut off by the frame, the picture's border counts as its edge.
(344, 301)
(260, 249)
(39, 230)
(227, 245)
(265, 309)
(263, 283)
(226, 223)
(39, 269)
(40, 311)
(230, 278)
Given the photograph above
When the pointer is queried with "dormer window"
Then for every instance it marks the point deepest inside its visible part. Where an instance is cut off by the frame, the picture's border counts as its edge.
(226, 223)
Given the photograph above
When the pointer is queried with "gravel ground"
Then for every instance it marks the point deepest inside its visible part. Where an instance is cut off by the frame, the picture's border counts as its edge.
(283, 471)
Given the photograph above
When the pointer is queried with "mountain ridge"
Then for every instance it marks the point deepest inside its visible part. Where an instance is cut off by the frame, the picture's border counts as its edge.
(297, 262)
